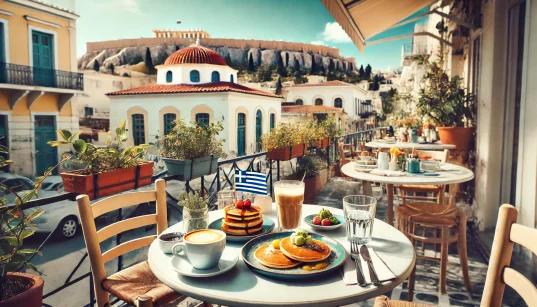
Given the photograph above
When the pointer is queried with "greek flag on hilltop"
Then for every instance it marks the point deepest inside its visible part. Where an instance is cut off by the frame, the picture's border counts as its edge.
(251, 182)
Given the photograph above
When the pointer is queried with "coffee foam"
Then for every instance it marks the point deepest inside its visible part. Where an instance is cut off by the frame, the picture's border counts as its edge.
(203, 236)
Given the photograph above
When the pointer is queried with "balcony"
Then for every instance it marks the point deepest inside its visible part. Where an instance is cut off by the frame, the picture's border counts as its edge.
(366, 109)
(33, 76)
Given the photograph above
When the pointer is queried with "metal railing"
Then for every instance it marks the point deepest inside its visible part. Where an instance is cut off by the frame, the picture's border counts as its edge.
(34, 76)
(223, 178)
(415, 49)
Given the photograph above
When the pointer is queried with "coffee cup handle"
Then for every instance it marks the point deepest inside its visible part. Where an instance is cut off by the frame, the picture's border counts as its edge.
(177, 248)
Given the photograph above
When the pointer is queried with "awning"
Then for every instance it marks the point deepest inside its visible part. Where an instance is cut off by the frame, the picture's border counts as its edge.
(363, 19)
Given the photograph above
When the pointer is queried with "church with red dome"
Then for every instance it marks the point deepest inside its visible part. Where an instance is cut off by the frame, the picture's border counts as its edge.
(196, 84)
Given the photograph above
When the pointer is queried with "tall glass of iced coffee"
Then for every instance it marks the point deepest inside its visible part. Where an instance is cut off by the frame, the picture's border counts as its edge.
(289, 196)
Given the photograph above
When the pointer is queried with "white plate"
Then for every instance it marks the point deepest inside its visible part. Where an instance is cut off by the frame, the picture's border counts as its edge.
(363, 170)
(181, 265)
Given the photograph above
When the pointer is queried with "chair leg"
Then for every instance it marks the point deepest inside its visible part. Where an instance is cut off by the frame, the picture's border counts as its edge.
(423, 242)
(463, 256)
(144, 301)
(411, 283)
(435, 244)
(444, 259)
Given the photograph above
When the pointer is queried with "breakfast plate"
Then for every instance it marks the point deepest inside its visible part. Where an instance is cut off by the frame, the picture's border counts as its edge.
(335, 259)
(229, 259)
(268, 226)
(309, 220)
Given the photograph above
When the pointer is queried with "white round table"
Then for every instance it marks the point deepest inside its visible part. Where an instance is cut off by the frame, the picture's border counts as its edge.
(458, 174)
(403, 145)
(242, 287)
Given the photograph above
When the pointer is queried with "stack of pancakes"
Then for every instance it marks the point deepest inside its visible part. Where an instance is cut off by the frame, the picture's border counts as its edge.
(242, 222)
(290, 255)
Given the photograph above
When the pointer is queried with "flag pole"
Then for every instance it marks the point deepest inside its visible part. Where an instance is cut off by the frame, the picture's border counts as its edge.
(235, 187)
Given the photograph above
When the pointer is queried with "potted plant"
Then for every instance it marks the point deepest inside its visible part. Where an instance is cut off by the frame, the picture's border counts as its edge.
(18, 289)
(447, 104)
(195, 211)
(314, 134)
(108, 170)
(315, 174)
(191, 151)
(284, 143)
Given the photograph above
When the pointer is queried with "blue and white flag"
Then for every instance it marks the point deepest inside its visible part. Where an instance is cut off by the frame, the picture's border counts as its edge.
(251, 182)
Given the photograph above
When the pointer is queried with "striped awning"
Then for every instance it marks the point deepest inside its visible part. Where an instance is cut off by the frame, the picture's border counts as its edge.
(363, 19)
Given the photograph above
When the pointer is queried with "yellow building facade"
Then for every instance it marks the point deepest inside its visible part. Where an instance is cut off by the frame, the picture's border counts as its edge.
(39, 81)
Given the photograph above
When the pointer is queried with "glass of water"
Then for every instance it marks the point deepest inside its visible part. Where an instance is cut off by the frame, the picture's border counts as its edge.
(359, 211)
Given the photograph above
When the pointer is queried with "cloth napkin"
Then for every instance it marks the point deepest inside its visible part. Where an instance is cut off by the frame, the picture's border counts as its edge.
(447, 168)
(349, 269)
(387, 173)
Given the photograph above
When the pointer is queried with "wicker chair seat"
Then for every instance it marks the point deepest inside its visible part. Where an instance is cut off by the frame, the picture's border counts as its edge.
(138, 280)
(429, 214)
(383, 301)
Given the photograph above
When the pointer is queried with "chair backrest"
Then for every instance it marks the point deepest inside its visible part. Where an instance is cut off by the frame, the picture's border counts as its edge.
(89, 212)
(499, 273)
(442, 156)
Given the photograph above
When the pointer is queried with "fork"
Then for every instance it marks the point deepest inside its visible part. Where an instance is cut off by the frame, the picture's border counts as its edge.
(355, 255)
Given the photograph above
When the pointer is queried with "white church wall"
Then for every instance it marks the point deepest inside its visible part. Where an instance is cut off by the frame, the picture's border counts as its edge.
(181, 73)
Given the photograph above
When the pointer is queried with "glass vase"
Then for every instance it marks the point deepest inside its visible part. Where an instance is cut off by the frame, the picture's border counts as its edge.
(195, 219)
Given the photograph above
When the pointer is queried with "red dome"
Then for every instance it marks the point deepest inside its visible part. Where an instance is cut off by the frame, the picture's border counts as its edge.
(195, 55)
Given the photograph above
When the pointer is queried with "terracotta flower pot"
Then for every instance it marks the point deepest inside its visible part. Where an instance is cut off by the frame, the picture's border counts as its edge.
(31, 297)
(312, 185)
(108, 183)
(458, 136)
(288, 153)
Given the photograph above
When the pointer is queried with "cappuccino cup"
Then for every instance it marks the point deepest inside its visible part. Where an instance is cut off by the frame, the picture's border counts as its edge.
(203, 248)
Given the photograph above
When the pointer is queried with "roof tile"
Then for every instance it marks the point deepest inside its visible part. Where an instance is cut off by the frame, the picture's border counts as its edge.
(188, 88)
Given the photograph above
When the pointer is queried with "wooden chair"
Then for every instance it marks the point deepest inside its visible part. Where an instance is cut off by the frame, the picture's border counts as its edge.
(499, 273)
(136, 285)
(452, 225)
(439, 190)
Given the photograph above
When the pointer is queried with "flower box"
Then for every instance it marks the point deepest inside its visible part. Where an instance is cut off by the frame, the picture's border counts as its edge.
(108, 183)
(288, 153)
(323, 143)
(191, 169)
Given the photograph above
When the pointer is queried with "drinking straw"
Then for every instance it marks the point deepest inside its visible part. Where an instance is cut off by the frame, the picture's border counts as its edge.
(304, 177)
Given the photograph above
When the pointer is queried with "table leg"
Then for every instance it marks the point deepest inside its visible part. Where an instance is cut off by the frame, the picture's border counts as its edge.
(366, 188)
(389, 189)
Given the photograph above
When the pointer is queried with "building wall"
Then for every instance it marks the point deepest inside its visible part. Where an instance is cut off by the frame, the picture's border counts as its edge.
(17, 33)
(220, 106)
(181, 73)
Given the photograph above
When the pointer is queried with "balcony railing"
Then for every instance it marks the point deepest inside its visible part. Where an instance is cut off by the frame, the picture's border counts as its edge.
(34, 76)
(223, 179)
(415, 49)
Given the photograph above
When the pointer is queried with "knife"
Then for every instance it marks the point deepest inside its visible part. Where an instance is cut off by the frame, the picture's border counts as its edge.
(373, 274)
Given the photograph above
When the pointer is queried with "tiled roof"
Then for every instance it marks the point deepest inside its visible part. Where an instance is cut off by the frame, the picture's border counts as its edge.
(195, 55)
(187, 88)
(329, 83)
(310, 109)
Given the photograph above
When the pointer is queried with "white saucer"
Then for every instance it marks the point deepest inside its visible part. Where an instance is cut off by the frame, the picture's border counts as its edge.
(181, 265)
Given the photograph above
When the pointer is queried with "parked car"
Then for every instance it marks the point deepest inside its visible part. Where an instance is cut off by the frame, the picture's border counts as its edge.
(60, 217)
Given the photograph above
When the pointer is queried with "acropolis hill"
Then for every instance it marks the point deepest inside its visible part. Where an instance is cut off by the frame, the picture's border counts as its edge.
(131, 54)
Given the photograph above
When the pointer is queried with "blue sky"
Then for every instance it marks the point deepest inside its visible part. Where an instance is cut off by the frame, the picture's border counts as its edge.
(287, 20)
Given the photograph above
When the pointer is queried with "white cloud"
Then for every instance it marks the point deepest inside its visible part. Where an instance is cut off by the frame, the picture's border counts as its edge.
(320, 43)
(130, 6)
(334, 33)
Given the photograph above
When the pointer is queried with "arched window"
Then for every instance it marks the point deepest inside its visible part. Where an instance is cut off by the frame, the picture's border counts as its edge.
(319, 102)
(258, 129)
(138, 129)
(231, 78)
(168, 122)
(194, 76)
(338, 103)
(202, 119)
(169, 76)
(272, 121)
(241, 134)
(299, 102)
(215, 76)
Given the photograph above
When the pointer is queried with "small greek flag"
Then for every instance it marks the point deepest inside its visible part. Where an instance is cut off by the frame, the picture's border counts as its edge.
(251, 182)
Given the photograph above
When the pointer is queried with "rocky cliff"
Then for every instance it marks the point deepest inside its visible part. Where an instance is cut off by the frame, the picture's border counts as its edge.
(123, 59)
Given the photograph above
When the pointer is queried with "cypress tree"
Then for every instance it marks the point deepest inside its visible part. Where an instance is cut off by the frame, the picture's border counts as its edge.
(251, 66)
(281, 68)
(149, 61)
(96, 65)
(361, 71)
(368, 71)
(279, 87)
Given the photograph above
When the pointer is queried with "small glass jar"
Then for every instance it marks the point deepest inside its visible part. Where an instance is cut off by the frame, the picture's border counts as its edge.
(226, 198)
(195, 219)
